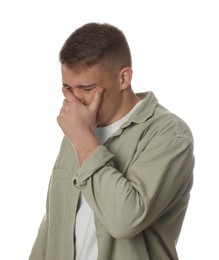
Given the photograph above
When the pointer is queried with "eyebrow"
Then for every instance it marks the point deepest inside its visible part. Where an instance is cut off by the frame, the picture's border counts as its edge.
(81, 85)
(65, 85)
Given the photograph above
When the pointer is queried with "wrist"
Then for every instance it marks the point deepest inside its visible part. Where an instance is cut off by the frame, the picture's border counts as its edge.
(85, 147)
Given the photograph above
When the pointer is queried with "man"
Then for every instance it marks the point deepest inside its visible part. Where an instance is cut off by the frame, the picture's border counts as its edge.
(121, 182)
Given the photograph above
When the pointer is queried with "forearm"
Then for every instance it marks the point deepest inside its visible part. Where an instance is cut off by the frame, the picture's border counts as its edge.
(85, 146)
(111, 195)
(141, 192)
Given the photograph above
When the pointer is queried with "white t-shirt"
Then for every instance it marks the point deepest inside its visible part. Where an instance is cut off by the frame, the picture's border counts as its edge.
(85, 230)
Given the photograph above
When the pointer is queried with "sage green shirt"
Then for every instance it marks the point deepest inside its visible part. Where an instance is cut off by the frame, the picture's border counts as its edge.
(138, 184)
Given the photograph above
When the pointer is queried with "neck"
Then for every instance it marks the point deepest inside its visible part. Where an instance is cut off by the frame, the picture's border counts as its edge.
(129, 100)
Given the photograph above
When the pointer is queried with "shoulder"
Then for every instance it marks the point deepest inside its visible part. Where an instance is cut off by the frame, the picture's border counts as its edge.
(167, 126)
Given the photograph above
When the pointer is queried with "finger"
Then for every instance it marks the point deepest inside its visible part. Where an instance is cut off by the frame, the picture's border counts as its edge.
(62, 109)
(69, 96)
(59, 120)
(96, 101)
(65, 102)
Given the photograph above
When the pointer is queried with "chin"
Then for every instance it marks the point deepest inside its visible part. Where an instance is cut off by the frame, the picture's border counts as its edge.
(100, 123)
(98, 120)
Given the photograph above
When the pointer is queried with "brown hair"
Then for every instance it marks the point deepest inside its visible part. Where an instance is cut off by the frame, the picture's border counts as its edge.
(94, 43)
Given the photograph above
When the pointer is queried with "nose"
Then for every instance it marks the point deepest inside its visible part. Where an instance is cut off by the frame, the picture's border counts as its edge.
(79, 95)
(84, 96)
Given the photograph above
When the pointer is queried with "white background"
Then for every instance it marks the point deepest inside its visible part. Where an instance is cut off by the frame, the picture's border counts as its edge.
(175, 48)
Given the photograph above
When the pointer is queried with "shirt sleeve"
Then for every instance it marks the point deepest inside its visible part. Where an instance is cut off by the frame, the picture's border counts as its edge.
(127, 203)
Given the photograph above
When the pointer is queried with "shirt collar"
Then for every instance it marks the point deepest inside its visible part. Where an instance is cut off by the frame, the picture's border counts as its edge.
(142, 113)
(145, 110)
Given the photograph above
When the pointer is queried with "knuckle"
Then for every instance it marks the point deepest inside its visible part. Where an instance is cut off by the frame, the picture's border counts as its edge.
(58, 119)
(65, 101)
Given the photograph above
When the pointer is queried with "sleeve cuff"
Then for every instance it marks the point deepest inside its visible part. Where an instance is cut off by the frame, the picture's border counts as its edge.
(98, 159)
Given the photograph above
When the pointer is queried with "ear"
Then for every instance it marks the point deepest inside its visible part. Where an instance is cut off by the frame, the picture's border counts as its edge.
(125, 77)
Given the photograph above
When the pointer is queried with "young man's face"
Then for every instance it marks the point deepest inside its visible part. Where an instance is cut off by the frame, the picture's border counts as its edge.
(84, 83)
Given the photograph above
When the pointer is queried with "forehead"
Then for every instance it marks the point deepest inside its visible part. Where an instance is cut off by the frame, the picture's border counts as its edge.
(74, 73)
(97, 74)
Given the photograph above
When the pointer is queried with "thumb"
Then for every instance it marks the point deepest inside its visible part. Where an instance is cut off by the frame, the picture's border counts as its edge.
(69, 96)
(96, 101)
